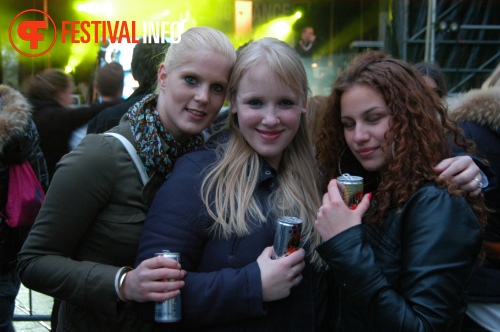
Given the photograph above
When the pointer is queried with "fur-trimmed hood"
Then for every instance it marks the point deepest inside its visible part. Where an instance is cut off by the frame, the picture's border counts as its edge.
(15, 114)
(479, 106)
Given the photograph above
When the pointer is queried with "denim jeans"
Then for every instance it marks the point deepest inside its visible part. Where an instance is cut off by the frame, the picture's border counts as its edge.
(9, 287)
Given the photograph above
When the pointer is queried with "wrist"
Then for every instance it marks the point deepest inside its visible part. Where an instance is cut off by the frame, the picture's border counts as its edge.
(120, 282)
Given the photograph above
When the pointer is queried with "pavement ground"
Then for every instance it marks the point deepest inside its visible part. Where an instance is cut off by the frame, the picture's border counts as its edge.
(40, 305)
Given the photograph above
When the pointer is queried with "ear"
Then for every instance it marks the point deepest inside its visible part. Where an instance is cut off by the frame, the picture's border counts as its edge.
(162, 76)
(304, 109)
(232, 102)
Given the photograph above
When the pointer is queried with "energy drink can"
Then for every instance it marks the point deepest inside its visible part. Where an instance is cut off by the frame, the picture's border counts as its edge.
(169, 310)
(353, 192)
(287, 236)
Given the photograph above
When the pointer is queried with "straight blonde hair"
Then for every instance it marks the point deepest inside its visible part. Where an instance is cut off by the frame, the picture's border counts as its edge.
(228, 188)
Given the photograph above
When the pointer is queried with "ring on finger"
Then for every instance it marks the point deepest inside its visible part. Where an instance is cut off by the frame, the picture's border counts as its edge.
(297, 280)
(319, 210)
(479, 184)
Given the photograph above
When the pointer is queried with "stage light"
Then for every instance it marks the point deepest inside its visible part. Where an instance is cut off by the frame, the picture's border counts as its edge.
(454, 26)
(95, 8)
(447, 25)
(279, 28)
(68, 69)
(298, 15)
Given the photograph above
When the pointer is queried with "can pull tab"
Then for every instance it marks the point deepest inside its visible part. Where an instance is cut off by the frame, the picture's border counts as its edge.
(347, 176)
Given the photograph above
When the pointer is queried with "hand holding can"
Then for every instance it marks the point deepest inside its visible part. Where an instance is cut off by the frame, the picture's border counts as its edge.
(169, 310)
(287, 236)
(353, 189)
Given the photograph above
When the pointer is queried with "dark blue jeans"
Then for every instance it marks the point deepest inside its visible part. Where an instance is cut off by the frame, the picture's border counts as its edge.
(9, 287)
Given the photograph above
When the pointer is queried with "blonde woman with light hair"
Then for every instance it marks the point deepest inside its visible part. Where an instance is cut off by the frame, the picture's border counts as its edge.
(85, 238)
(219, 207)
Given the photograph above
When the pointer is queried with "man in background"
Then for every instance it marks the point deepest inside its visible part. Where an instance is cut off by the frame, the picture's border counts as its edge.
(146, 59)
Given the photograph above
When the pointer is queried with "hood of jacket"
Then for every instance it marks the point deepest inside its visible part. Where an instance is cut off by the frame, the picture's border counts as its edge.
(15, 114)
(479, 106)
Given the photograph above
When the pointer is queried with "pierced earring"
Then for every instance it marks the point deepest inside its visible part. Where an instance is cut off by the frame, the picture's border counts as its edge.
(340, 159)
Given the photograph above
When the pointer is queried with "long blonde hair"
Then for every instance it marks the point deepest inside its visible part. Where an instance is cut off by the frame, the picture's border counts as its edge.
(228, 188)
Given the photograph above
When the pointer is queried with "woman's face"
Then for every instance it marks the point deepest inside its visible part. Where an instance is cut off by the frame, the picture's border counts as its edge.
(65, 97)
(366, 119)
(268, 113)
(192, 94)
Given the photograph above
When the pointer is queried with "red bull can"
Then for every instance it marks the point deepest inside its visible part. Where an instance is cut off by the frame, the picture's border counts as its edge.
(170, 310)
(287, 236)
(353, 189)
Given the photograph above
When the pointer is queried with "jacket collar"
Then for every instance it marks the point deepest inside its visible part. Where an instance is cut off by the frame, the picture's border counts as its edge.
(15, 114)
(479, 106)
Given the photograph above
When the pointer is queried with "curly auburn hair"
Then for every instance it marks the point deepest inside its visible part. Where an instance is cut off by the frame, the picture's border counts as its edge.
(420, 127)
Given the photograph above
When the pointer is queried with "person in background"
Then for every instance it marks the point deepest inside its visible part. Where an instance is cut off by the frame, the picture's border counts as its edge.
(402, 259)
(51, 95)
(18, 142)
(436, 80)
(305, 45)
(219, 206)
(84, 241)
(109, 82)
(434, 77)
(109, 86)
(146, 59)
(478, 114)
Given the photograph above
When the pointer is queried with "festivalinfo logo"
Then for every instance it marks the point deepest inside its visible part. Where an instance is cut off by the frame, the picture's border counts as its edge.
(33, 32)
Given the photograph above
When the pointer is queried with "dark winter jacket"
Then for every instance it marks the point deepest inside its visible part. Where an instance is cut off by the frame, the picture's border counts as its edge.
(411, 272)
(55, 125)
(478, 113)
(18, 142)
(223, 290)
(111, 116)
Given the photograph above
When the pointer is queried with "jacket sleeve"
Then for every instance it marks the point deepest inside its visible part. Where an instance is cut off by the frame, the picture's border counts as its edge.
(79, 189)
(177, 221)
(440, 240)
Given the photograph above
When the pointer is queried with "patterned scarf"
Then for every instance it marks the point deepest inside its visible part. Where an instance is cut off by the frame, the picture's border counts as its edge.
(157, 148)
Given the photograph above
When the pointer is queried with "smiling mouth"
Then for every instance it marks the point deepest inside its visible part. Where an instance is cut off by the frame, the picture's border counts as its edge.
(269, 135)
(195, 112)
(366, 152)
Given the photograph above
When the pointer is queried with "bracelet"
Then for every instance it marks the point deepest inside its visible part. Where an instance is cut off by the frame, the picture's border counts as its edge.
(119, 279)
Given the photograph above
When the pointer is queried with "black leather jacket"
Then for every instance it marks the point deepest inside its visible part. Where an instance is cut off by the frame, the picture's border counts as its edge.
(409, 274)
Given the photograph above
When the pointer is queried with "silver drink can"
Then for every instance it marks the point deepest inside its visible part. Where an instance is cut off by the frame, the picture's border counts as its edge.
(353, 193)
(169, 310)
(287, 236)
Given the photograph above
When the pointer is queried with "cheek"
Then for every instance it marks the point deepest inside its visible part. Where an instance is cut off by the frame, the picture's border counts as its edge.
(248, 118)
(217, 101)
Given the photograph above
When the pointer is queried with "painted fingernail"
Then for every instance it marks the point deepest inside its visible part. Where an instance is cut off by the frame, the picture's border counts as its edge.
(370, 195)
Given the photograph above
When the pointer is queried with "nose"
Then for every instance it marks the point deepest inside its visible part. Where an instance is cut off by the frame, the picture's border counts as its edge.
(270, 117)
(201, 94)
(361, 135)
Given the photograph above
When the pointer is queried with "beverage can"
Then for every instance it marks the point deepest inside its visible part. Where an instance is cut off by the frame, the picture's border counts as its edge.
(353, 189)
(287, 236)
(170, 310)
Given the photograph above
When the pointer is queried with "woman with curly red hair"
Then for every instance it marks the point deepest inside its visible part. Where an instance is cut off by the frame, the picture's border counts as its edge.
(402, 259)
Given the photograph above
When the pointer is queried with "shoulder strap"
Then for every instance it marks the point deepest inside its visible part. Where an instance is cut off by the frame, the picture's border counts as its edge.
(133, 154)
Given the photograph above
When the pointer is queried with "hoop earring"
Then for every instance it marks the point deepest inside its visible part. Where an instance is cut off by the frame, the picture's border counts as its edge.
(340, 159)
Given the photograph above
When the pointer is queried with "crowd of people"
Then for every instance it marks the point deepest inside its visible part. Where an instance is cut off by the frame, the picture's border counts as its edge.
(420, 250)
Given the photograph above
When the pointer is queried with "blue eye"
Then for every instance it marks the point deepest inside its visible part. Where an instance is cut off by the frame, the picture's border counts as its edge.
(190, 80)
(286, 102)
(254, 103)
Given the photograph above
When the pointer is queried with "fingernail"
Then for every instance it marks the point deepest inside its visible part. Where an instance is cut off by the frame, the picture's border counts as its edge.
(370, 195)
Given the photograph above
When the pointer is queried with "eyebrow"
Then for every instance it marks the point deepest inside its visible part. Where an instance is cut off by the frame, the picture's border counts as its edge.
(371, 109)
